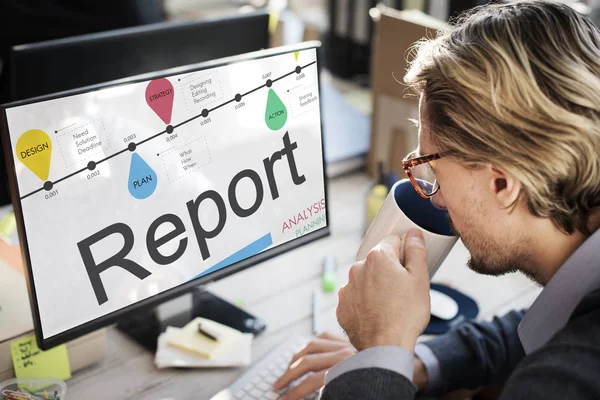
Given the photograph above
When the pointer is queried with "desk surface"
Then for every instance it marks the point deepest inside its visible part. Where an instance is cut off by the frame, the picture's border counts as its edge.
(279, 291)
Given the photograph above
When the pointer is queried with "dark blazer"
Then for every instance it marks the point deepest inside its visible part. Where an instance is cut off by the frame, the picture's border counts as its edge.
(566, 367)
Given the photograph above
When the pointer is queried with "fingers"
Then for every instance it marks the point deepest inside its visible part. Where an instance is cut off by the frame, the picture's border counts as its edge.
(319, 346)
(344, 308)
(311, 363)
(355, 272)
(415, 254)
(312, 383)
(308, 363)
(330, 336)
(388, 247)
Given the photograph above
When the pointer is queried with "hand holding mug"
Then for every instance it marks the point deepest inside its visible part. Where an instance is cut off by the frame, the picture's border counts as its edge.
(404, 209)
(384, 301)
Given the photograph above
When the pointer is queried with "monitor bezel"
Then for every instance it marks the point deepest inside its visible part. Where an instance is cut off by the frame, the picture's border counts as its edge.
(186, 287)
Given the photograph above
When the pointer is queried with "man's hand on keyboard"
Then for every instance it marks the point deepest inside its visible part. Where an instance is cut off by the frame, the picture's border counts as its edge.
(315, 358)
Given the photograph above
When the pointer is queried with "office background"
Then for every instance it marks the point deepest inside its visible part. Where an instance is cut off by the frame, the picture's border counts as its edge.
(358, 134)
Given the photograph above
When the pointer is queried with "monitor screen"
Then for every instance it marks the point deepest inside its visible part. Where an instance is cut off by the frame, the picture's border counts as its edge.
(131, 193)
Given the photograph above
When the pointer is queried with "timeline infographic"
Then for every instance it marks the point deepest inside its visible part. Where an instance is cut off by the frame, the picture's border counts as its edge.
(133, 189)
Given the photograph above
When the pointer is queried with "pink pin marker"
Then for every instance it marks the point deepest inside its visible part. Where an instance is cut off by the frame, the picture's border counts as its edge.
(159, 96)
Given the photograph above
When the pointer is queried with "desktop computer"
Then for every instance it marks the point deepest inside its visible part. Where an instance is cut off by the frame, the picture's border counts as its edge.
(133, 193)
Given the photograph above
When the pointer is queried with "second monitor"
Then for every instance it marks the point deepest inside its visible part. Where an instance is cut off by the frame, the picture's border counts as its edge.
(53, 66)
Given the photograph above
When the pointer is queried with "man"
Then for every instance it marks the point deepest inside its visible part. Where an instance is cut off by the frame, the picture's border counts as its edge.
(510, 109)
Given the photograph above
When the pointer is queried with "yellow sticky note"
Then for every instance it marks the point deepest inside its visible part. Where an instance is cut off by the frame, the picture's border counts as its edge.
(8, 223)
(31, 362)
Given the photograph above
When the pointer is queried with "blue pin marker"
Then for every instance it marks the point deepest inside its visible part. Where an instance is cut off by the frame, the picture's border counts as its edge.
(142, 179)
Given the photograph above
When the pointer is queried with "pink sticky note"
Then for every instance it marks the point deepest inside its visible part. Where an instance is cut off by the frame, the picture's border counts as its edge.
(11, 255)
(159, 96)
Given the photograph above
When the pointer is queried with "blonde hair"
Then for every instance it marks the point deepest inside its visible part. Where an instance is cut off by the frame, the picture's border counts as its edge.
(517, 85)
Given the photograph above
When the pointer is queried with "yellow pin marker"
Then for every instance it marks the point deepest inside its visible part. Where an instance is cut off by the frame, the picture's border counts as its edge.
(296, 55)
(34, 149)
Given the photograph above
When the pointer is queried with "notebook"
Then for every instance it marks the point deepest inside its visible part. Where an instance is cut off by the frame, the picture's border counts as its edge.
(189, 339)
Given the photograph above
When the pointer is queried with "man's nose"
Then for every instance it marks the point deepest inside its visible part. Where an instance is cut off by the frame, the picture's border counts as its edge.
(438, 200)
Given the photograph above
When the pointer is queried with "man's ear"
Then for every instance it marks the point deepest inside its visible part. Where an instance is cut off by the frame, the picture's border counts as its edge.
(504, 187)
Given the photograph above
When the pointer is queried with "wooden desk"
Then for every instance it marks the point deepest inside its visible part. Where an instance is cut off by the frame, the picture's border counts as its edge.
(280, 291)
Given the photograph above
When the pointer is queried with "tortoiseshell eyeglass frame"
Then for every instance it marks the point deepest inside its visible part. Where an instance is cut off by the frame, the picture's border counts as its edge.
(409, 162)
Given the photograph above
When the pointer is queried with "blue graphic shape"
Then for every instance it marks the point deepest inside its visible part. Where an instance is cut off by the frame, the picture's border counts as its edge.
(142, 179)
(252, 249)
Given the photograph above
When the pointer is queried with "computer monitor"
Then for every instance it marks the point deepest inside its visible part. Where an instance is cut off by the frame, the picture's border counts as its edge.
(129, 194)
(63, 64)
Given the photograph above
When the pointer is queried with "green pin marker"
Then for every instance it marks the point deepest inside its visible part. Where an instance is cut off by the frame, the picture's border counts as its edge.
(329, 275)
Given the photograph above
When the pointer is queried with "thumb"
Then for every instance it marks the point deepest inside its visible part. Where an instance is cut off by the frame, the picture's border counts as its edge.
(415, 253)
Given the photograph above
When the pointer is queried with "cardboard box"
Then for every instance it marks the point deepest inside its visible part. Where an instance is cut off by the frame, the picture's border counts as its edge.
(311, 32)
(392, 133)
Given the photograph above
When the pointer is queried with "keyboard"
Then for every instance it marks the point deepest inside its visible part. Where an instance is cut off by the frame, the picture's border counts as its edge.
(257, 381)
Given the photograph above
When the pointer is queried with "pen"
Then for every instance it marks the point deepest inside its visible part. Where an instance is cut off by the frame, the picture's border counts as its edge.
(316, 306)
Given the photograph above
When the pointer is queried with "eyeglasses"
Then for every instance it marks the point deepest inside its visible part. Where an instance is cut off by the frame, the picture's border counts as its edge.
(421, 173)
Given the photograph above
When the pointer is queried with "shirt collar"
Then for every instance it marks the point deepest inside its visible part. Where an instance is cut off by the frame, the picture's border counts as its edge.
(549, 313)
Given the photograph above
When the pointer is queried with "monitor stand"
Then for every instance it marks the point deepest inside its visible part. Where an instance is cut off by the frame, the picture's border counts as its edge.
(145, 327)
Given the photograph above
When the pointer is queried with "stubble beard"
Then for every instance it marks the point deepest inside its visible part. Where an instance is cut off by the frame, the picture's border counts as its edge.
(487, 257)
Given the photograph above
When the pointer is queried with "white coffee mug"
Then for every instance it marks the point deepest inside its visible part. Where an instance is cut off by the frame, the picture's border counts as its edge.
(404, 209)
